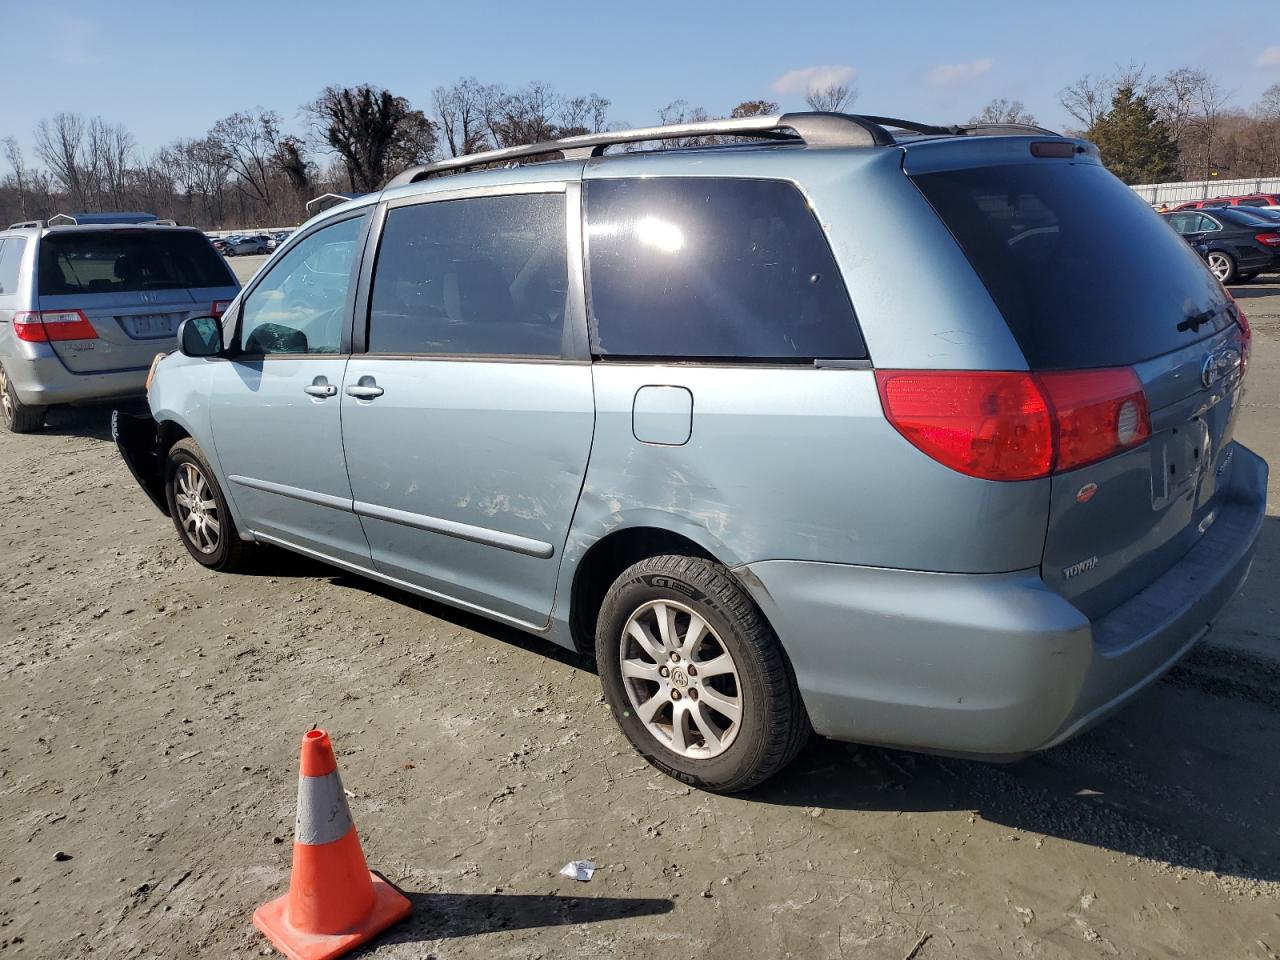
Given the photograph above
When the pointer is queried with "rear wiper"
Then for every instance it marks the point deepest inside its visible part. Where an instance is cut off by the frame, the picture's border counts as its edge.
(1197, 320)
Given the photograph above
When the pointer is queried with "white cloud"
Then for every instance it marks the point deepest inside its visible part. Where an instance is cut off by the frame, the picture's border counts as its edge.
(1269, 57)
(813, 78)
(946, 74)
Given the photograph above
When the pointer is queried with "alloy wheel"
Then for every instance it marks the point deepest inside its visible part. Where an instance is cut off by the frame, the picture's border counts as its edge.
(681, 680)
(198, 514)
(6, 401)
(1220, 266)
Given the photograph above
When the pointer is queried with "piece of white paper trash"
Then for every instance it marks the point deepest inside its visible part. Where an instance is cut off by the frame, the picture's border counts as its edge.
(578, 870)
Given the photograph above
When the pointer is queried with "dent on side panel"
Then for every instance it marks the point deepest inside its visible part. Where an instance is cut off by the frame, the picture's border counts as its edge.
(796, 463)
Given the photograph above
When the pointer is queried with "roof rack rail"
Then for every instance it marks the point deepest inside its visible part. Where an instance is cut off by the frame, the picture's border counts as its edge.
(969, 129)
(814, 129)
(82, 219)
(38, 224)
(333, 197)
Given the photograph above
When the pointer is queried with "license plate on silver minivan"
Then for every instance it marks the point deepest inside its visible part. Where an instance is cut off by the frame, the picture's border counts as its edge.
(151, 324)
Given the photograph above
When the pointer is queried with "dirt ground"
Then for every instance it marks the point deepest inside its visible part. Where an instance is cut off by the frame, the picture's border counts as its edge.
(151, 713)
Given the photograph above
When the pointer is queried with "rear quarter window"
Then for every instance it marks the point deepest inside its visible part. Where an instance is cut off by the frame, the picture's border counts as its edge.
(705, 268)
(10, 257)
(127, 261)
(1084, 272)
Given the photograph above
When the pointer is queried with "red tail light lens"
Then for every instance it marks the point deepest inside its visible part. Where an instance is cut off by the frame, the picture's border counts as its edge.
(993, 425)
(1097, 413)
(48, 326)
(1269, 239)
(1013, 425)
(27, 326)
(219, 307)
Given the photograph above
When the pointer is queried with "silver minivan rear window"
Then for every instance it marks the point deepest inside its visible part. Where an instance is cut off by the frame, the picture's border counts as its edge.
(1085, 273)
(125, 261)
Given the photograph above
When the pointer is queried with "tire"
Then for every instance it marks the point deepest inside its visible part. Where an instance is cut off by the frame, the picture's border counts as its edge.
(771, 724)
(1222, 265)
(19, 417)
(207, 530)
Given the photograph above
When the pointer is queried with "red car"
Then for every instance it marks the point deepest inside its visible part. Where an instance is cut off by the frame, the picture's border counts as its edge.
(1248, 200)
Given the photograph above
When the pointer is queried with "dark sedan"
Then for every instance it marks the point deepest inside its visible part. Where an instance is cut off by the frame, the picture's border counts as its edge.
(1237, 244)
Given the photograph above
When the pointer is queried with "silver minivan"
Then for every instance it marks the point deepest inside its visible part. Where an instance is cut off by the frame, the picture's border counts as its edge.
(86, 305)
(865, 427)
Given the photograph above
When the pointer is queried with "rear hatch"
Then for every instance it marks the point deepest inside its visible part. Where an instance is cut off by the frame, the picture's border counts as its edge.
(1087, 277)
(133, 285)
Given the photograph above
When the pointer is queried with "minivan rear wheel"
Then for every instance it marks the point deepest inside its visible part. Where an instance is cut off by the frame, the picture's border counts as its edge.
(695, 676)
(199, 510)
(19, 417)
(1222, 265)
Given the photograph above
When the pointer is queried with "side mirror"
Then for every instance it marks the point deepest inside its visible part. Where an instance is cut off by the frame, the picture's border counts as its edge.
(200, 337)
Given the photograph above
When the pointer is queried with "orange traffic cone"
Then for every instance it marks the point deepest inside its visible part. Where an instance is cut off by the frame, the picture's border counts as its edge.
(334, 903)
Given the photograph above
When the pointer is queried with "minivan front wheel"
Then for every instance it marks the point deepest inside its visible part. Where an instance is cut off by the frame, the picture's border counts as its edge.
(695, 676)
(1222, 266)
(199, 510)
(19, 417)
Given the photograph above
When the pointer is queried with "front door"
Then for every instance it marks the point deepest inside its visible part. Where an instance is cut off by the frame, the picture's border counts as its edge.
(468, 423)
(276, 407)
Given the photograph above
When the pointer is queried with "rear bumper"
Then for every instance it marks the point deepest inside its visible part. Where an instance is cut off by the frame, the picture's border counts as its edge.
(45, 380)
(994, 665)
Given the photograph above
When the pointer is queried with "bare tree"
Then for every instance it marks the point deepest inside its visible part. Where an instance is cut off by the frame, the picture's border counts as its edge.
(113, 154)
(832, 98)
(1087, 99)
(60, 143)
(19, 175)
(1002, 110)
(248, 141)
(679, 111)
(460, 110)
(754, 108)
(587, 114)
(372, 130)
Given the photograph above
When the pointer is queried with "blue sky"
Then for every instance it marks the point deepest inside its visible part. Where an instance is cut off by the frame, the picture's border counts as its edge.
(169, 69)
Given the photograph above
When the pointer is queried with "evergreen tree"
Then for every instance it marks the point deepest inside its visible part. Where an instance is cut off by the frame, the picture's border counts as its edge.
(1134, 141)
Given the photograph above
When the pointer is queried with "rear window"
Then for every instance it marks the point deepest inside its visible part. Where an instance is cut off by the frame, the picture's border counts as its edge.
(691, 268)
(123, 261)
(1085, 273)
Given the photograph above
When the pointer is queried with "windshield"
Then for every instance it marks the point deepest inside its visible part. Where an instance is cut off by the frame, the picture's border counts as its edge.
(124, 261)
(1085, 273)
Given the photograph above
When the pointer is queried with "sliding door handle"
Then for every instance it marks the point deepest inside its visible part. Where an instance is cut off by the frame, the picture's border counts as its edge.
(366, 388)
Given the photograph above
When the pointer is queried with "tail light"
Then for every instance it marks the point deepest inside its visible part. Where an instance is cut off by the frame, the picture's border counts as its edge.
(1008, 425)
(1268, 239)
(52, 326)
(1246, 334)
(219, 307)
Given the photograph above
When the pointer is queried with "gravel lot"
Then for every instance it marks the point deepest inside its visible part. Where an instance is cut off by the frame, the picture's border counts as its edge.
(152, 712)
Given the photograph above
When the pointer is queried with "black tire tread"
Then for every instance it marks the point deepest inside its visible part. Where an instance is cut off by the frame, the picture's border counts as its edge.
(239, 552)
(26, 418)
(789, 727)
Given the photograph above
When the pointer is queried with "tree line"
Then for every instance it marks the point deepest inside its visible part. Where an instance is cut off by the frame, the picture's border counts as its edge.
(247, 170)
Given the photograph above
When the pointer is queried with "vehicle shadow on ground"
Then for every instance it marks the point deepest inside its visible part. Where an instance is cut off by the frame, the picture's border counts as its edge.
(1185, 774)
(285, 564)
(439, 916)
(92, 423)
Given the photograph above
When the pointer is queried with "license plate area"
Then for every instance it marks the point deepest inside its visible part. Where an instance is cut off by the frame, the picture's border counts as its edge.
(150, 326)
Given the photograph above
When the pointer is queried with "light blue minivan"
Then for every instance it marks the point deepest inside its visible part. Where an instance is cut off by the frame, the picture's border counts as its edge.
(826, 422)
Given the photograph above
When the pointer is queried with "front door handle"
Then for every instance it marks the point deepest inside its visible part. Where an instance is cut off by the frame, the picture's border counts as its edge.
(320, 387)
(366, 388)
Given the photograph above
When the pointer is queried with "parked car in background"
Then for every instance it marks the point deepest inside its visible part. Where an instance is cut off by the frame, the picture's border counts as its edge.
(219, 244)
(1237, 244)
(84, 309)
(1247, 200)
(699, 412)
(242, 246)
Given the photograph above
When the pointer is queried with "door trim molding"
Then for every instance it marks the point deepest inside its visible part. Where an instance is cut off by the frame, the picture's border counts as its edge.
(459, 531)
(294, 493)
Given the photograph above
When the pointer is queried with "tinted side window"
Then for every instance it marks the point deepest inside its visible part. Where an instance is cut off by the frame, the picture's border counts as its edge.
(713, 268)
(1253, 203)
(485, 276)
(300, 305)
(10, 254)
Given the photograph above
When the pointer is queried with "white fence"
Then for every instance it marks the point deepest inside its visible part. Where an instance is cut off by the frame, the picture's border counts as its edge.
(1156, 193)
